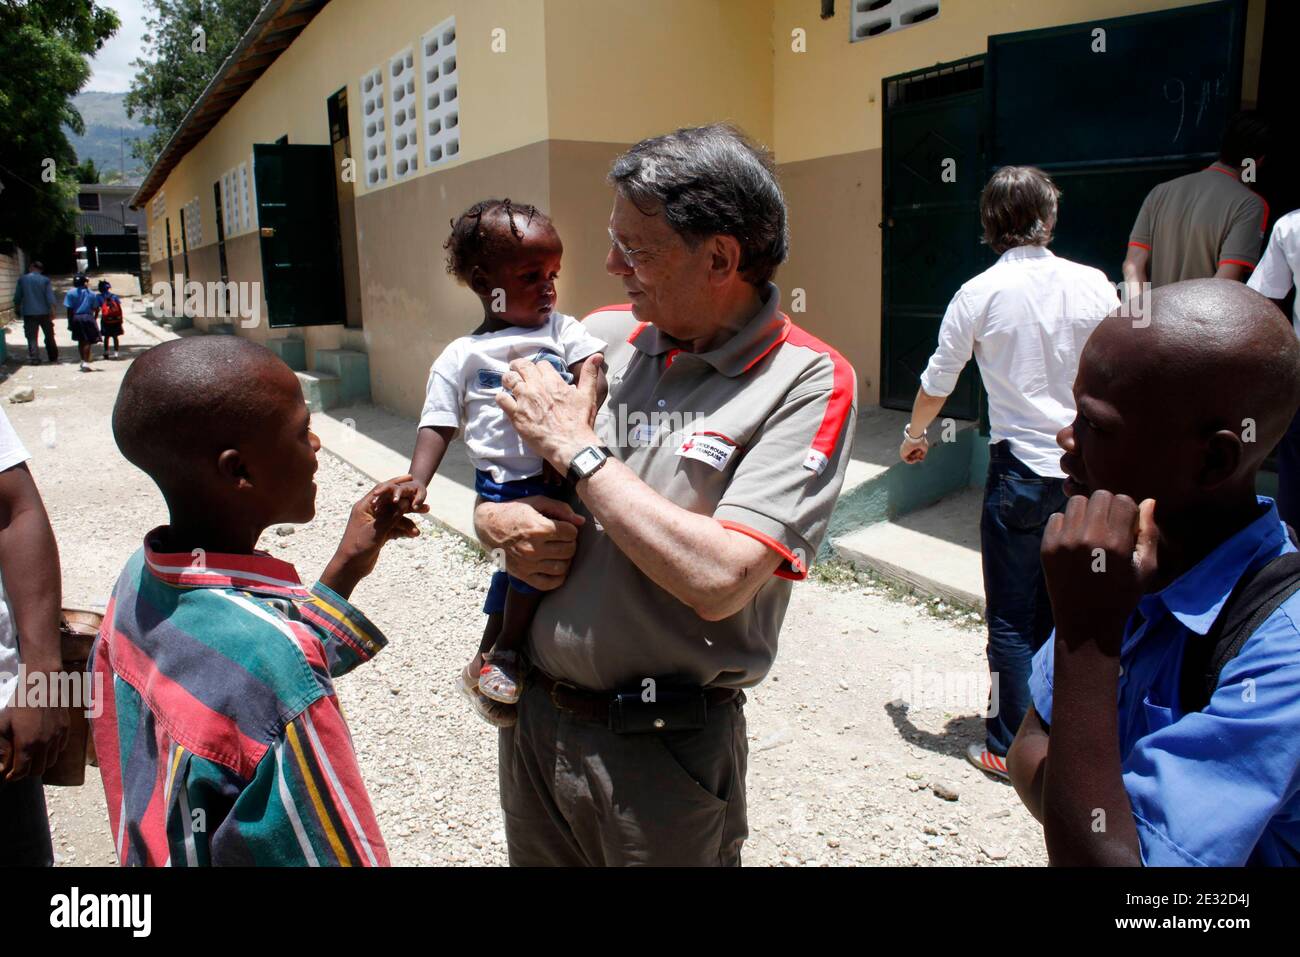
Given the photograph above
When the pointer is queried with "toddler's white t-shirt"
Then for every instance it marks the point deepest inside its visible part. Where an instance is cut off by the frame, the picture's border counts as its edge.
(466, 378)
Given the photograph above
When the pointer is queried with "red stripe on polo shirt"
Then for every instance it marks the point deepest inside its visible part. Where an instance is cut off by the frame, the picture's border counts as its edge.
(840, 403)
(640, 327)
(785, 331)
(798, 570)
(1134, 242)
(1237, 262)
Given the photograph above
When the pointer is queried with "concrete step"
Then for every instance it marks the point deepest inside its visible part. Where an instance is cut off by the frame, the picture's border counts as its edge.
(293, 352)
(319, 389)
(934, 551)
(352, 369)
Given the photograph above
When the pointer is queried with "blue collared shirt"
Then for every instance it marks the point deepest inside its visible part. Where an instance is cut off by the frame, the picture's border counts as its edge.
(33, 294)
(1221, 786)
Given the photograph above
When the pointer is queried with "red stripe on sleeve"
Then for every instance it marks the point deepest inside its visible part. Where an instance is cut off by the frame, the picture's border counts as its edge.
(1134, 242)
(797, 571)
(840, 403)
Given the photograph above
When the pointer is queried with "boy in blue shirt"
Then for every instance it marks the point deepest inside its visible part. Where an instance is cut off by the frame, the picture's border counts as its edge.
(1178, 416)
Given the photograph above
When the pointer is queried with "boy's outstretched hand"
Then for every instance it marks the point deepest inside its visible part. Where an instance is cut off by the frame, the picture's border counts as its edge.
(380, 515)
(1099, 558)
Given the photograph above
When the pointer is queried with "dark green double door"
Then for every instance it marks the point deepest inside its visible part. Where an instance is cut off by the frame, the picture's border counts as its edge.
(1109, 108)
(298, 219)
(934, 169)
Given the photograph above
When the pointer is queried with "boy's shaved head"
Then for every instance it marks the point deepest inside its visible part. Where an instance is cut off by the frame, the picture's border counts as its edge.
(183, 402)
(1215, 355)
(1183, 405)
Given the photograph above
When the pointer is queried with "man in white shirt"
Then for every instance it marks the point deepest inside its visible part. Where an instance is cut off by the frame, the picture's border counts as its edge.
(1274, 277)
(1026, 319)
(30, 598)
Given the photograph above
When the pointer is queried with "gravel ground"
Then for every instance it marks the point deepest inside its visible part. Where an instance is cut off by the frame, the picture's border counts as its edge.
(841, 771)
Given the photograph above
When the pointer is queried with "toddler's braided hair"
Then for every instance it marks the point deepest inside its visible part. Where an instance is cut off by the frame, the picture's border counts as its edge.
(478, 235)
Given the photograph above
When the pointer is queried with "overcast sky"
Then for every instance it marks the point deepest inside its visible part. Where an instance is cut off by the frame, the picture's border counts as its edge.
(111, 69)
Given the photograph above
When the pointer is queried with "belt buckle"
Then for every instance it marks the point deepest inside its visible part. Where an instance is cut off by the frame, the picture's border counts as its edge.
(555, 687)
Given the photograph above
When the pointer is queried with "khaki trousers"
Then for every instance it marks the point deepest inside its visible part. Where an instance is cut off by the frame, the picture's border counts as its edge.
(576, 794)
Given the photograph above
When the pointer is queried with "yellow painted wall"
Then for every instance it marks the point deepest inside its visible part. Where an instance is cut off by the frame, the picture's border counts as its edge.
(618, 71)
(503, 94)
(827, 100)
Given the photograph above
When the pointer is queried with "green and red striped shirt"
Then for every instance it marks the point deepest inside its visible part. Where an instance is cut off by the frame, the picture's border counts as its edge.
(220, 738)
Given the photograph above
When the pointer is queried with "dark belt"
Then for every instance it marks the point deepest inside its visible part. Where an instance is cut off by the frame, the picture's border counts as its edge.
(594, 705)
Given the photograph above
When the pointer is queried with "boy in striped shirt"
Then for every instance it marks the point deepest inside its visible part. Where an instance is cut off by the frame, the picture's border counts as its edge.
(220, 738)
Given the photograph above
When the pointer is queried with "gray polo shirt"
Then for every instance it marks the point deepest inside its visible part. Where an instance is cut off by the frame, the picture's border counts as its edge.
(755, 433)
(1193, 224)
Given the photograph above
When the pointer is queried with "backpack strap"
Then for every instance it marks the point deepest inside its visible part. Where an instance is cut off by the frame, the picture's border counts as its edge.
(1256, 596)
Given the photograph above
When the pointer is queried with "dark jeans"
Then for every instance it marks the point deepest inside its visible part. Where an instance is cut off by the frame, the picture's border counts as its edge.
(24, 825)
(1288, 475)
(32, 326)
(1017, 505)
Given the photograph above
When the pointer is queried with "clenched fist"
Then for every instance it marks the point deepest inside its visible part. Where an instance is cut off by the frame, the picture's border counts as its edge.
(1099, 559)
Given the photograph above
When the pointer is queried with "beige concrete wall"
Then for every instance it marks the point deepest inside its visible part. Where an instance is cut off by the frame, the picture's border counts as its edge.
(413, 308)
(580, 206)
(835, 247)
(350, 37)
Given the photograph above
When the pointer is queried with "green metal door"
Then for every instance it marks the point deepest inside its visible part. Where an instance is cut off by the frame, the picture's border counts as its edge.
(933, 172)
(1052, 103)
(298, 219)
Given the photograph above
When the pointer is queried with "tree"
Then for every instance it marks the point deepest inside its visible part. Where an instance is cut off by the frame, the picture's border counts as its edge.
(188, 41)
(43, 47)
(86, 171)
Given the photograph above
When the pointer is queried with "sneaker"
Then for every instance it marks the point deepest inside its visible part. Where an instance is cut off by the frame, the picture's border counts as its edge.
(85, 367)
(987, 761)
(114, 355)
(34, 360)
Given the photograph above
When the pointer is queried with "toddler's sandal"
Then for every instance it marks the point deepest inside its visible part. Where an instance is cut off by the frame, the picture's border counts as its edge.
(494, 713)
(499, 678)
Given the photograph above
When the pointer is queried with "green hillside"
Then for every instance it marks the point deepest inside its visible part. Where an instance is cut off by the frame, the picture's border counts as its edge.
(109, 134)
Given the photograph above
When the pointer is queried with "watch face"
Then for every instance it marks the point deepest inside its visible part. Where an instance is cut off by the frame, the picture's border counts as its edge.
(586, 459)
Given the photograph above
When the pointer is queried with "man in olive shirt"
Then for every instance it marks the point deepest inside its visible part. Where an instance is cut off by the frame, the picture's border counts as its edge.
(703, 489)
(1207, 224)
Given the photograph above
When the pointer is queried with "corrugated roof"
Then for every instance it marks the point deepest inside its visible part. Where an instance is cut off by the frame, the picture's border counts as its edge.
(275, 27)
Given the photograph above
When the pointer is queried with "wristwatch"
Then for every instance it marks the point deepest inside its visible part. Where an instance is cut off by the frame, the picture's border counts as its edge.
(588, 462)
(909, 436)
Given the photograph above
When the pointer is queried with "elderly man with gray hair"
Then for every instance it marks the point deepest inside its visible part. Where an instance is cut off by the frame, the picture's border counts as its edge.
(702, 489)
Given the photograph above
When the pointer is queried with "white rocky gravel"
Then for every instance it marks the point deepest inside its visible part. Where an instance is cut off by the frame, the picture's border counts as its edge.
(837, 773)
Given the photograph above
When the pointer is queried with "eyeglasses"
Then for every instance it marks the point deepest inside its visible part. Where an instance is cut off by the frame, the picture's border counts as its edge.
(629, 255)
